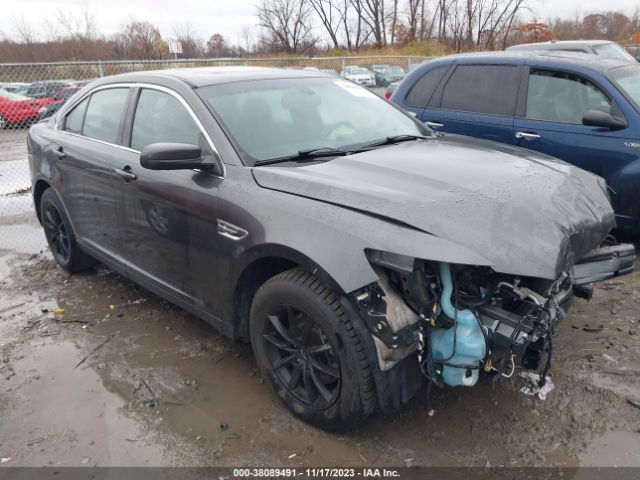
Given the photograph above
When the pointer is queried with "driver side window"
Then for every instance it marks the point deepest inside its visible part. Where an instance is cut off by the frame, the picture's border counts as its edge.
(161, 117)
(563, 97)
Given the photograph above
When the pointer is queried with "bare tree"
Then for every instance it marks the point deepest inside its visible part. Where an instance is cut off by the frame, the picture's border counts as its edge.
(69, 25)
(192, 45)
(287, 23)
(415, 11)
(216, 45)
(247, 37)
(24, 29)
(373, 15)
(330, 17)
(142, 40)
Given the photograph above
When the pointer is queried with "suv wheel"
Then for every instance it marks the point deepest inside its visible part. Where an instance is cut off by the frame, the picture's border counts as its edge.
(310, 352)
(60, 237)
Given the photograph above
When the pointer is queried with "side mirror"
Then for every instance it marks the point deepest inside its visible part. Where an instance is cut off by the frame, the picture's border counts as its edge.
(174, 156)
(598, 118)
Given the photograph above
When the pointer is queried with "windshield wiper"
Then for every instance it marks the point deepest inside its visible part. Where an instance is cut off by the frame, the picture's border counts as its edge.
(397, 139)
(306, 155)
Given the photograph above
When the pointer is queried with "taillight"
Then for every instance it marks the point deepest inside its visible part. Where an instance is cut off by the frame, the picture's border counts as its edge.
(387, 95)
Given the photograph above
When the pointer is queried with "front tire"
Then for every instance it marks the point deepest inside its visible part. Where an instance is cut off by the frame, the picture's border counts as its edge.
(60, 237)
(309, 350)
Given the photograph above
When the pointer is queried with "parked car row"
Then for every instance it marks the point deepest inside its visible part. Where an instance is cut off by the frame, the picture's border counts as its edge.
(378, 76)
(24, 103)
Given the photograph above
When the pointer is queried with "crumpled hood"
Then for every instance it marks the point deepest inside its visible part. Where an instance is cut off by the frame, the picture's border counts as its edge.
(528, 214)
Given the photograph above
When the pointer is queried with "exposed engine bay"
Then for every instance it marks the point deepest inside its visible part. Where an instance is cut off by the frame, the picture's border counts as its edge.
(461, 321)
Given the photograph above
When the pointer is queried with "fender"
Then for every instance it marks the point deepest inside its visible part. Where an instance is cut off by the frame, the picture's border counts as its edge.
(248, 257)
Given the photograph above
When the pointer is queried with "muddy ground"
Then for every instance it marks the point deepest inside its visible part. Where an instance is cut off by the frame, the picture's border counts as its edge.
(78, 388)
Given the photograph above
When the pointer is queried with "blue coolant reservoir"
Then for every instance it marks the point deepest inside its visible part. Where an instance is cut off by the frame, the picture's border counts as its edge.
(462, 344)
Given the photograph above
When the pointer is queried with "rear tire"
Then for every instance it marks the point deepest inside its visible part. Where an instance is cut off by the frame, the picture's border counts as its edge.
(309, 350)
(60, 237)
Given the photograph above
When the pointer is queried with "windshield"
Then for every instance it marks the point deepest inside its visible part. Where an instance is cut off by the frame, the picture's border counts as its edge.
(276, 118)
(396, 70)
(613, 50)
(357, 71)
(628, 80)
(12, 96)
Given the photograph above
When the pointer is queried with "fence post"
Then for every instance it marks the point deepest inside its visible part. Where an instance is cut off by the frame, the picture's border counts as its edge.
(343, 63)
(100, 69)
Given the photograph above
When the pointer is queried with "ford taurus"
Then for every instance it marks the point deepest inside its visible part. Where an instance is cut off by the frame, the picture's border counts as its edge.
(358, 252)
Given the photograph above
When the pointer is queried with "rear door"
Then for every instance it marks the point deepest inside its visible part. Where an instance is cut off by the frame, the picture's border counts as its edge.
(82, 155)
(476, 100)
(551, 122)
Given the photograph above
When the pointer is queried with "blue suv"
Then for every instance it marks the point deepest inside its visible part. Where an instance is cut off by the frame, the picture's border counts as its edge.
(580, 108)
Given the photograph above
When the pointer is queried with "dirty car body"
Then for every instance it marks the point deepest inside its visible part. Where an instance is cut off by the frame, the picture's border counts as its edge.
(357, 251)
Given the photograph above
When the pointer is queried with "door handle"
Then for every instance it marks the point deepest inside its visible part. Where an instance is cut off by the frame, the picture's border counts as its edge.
(59, 152)
(527, 136)
(126, 174)
(434, 125)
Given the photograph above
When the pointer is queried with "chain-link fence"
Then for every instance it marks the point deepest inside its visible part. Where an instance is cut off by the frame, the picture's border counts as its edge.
(32, 91)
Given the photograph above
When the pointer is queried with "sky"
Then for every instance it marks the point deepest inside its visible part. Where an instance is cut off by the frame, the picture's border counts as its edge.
(227, 17)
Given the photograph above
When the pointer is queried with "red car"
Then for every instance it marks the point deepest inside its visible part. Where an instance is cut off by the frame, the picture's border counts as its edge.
(19, 110)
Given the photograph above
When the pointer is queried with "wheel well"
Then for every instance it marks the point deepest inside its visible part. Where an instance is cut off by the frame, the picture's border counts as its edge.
(38, 190)
(250, 280)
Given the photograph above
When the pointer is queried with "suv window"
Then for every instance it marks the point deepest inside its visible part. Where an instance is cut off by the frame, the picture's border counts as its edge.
(421, 92)
(563, 97)
(73, 121)
(161, 117)
(490, 89)
(104, 114)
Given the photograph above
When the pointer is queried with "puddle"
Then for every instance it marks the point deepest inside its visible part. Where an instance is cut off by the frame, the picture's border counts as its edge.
(65, 416)
(215, 409)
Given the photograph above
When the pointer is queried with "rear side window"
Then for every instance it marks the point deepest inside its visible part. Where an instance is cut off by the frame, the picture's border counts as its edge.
(490, 89)
(161, 117)
(422, 91)
(563, 97)
(104, 114)
(73, 121)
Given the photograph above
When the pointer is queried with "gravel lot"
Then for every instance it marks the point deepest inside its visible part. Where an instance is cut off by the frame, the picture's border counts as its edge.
(75, 387)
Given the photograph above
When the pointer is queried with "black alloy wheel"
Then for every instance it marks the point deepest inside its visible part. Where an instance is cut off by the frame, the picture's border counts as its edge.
(303, 360)
(57, 234)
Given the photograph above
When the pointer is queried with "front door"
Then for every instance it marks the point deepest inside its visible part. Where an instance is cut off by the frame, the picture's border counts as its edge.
(169, 218)
(556, 102)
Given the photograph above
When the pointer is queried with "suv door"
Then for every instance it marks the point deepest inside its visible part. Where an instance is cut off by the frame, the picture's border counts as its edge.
(82, 154)
(169, 217)
(476, 100)
(550, 122)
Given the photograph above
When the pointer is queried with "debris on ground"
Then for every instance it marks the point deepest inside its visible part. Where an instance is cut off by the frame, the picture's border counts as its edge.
(593, 329)
(535, 389)
(84, 359)
(224, 426)
(57, 310)
(153, 401)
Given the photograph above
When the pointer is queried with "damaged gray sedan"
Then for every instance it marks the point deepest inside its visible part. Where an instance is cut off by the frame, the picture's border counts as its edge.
(361, 254)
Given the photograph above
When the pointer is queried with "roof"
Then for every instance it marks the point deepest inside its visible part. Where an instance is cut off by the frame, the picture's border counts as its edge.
(564, 43)
(552, 58)
(204, 76)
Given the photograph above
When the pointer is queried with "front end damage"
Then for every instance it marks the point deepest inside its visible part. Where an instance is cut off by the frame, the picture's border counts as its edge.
(459, 323)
